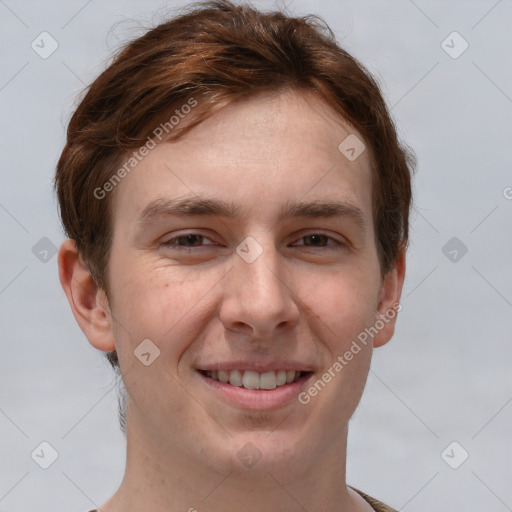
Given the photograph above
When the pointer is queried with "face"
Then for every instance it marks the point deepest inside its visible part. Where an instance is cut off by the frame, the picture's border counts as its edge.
(247, 245)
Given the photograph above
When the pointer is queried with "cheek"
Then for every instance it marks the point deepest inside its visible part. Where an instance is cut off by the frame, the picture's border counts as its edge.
(160, 305)
(343, 302)
(343, 308)
(159, 302)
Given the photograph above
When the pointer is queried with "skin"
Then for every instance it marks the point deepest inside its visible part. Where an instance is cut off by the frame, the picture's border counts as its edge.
(298, 299)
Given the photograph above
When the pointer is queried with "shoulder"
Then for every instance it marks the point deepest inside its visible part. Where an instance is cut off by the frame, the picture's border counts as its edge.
(377, 505)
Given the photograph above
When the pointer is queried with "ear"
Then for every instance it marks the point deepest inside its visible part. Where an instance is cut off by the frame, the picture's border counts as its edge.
(389, 301)
(88, 302)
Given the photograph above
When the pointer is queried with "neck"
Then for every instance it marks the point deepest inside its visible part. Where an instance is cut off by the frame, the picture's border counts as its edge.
(166, 479)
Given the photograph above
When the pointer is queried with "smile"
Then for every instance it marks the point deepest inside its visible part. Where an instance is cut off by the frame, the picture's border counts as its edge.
(250, 379)
(251, 390)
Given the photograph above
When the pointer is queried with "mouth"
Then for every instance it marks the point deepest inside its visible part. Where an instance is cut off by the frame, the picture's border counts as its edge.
(250, 379)
(248, 389)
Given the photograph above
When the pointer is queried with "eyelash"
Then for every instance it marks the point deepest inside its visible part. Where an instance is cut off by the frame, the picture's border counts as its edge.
(169, 243)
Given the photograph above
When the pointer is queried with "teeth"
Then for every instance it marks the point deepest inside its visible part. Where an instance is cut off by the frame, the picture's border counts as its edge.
(250, 379)
(281, 377)
(235, 378)
(268, 380)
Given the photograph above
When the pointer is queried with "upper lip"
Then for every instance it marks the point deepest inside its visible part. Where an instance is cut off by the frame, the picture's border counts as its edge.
(257, 366)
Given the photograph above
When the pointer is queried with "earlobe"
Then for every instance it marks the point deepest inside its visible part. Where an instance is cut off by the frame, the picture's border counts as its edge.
(88, 302)
(389, 301)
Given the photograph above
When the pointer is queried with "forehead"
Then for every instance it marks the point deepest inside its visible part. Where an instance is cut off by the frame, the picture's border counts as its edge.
(259, 153)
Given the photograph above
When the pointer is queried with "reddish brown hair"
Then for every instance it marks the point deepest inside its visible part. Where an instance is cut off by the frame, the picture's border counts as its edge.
(218, 52)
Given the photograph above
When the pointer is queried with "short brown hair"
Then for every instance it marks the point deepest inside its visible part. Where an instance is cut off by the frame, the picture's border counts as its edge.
(218, 52)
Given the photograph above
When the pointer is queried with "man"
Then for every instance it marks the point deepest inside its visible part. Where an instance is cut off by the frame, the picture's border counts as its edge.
(237, 204)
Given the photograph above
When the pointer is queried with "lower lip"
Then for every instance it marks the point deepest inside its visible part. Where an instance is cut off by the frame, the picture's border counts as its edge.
(257, 399)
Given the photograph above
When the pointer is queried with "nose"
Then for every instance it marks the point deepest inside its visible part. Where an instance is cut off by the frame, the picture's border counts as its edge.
(259, 300)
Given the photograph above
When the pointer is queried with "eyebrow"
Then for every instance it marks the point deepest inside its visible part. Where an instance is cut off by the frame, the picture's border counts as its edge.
(215, 207)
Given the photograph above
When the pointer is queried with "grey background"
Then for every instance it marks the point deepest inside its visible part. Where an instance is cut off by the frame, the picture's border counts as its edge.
(446, 374)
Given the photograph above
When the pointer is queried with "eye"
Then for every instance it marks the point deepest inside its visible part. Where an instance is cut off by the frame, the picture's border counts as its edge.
(319, 240)
(189, 241)
(186, 241)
